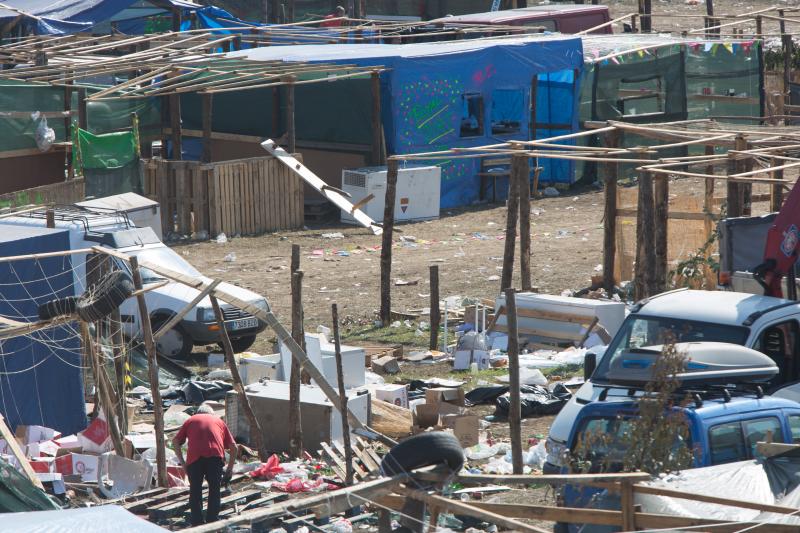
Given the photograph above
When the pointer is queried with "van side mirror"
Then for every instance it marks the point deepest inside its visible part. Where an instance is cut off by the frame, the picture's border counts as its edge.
(589, 364)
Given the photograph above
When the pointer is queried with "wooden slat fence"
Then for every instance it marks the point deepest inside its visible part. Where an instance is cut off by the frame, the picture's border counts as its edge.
(239, 197)
(65, 192)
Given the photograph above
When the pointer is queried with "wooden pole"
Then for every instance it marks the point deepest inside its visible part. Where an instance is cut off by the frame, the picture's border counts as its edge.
(436, 314)
(786, 45)
(298, 334)
(775, 189)
(511, 224)
(295, 262)
(120, 358)
(627, 506)
(68, 125)
(524, 188)
(50, 218)
(102, 389)
(661, 227)
(645, 236)
(386, 242)
(610, 215)
(83, 117)
(291, 134)
(208, 106)
(175, 125)
(238, 386)
(348, 450)
(152, 366)
(514, 410)
(377, 128)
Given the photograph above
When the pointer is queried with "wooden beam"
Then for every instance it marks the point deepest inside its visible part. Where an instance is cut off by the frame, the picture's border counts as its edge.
(460, 508)
(512, 215)
(177, 317)
(377, 128)
(152, 366)
(610, 215)
(238, 386)
(551, 479)
(18, 454)
(295, 377)
(524, 189)
(386, 242)
(515, 408)
(348, 450)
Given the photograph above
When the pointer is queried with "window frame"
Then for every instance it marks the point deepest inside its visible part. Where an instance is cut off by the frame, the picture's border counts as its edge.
(481, 129)
(749, 449)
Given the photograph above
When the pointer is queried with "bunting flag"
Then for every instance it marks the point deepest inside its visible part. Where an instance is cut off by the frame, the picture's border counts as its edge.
(728, 47)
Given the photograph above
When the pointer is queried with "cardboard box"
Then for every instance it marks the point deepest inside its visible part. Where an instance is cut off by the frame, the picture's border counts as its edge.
(426, 415)
(134, 444)
(31, 434)
(465, 427)
(454, 396)
(43, 465)
(394, 394)
(86, 466)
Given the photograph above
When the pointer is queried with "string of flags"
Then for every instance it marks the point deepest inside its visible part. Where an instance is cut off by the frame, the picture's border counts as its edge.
(713, 48)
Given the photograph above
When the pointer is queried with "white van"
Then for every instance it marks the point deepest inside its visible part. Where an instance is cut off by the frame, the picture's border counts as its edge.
(91, 226)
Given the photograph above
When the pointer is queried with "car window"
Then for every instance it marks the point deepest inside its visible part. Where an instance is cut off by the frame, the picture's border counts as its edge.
(794, 427)
(780, 343)
(762, 430)
(727, 443)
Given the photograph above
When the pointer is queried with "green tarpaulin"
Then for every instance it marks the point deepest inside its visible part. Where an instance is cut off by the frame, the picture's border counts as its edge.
(107, 151)
(18, 494)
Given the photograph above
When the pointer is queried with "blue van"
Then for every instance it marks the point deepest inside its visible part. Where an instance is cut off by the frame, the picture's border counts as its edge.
(722, 429)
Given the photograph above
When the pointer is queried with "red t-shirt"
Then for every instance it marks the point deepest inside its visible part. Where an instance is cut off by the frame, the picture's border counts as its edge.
(208, 437)
(328, 23)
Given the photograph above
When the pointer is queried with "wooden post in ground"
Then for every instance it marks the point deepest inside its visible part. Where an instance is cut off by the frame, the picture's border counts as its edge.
(514, 410)
(436, 315)
(175, 126)
(101, 383)
(117, 341)
(68, 124)
(786, 45)
(610, 215)
(776, 189)
(627, 506)
(83, 117)
(709, 20)
(291, 141)
(512, 213)
(661, 227)
(645, 236)
(377, 124)
(50, 218)
(736, 207)
(238, 386)
(524, 188)
(152, 367)
(298, 334)
(708, 209)
(208, 106)
(386, 241)
(348, 450)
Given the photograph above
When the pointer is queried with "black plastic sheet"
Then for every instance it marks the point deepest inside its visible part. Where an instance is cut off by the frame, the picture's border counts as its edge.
(535, 400)
(197, 392)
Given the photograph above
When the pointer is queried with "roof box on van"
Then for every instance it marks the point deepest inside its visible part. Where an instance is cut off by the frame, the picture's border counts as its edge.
(706, 363)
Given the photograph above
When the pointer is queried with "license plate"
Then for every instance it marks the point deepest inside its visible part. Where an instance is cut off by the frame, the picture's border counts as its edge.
(244, 323)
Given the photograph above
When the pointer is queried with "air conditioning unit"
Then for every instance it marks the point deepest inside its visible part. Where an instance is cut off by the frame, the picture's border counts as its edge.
(417, 195)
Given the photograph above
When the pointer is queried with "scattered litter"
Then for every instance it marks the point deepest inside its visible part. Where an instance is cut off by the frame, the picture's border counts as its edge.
(536, 455)
(408, 238)
(493, 277)
(336, 235)
(221, 238)
(230, 258)
(402, 283)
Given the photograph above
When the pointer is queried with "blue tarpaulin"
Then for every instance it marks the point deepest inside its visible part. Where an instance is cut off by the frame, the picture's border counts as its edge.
(429, 87)
(48, 17)
(41, 381)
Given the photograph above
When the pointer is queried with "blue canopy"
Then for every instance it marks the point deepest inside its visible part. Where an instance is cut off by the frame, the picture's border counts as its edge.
(442, 95)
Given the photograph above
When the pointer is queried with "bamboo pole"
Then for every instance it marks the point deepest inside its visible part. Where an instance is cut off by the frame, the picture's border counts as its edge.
(348, 450)
(152, 366)
(238, 386)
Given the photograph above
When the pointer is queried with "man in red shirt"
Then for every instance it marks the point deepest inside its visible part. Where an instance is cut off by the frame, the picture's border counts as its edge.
(209, 437)
(332, 20)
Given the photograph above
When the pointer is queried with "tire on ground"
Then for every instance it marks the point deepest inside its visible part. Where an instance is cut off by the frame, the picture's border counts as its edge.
(242, 344)
(100, 300)
(59, 307)
(427, 449)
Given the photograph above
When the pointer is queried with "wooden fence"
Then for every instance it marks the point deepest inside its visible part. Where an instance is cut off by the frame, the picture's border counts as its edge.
(239, 197)
(65, 192)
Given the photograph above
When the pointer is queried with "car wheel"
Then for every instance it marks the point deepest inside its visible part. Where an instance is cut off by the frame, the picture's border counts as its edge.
(426, 449)
(175, 343)
(242, 344)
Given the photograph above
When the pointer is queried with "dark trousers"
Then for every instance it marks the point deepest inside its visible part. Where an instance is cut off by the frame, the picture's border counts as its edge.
(209, 468)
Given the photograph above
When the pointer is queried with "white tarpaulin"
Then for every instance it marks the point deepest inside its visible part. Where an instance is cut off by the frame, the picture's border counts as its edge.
(99, 519)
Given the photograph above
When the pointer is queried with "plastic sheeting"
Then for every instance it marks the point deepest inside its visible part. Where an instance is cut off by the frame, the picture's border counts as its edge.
(18, 494)
(41, 378)
(423, 89)
(535, 401)
(99, 519)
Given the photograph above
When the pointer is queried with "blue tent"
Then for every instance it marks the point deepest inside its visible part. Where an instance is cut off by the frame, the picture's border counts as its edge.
(437, 96)
(41, 381)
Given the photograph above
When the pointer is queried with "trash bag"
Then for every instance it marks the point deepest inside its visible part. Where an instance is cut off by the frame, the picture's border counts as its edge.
(44, 135)
(485, 395)
(269, 469)
(196, 392)
(472, 341)
(535, 400)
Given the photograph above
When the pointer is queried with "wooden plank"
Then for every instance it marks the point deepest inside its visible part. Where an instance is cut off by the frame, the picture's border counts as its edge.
(312, 179)
(18, 454)
(333, 460)
(272, 179)
(210, 177)
(252, 188)
(358, 469)
(335, 457)
(163, 196)
(284, 204)
(257, 211)
(178, 508)
(181, 197)
(226, 204)
(362, 452)
(552, 479)
(198, 206)
(763, 507)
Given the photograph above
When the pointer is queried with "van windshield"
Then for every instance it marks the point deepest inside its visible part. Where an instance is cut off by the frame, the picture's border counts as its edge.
(640, 331)
(165, 257)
